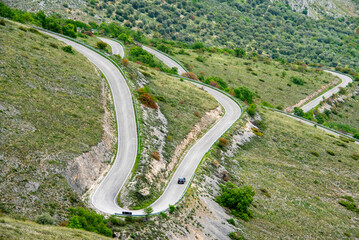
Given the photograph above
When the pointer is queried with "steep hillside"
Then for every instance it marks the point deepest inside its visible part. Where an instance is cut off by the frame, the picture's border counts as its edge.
(268, 27)
(52, 110)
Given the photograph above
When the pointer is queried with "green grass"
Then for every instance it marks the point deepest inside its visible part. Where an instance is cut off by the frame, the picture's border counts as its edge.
(272, 82)
(51, 111)
(17, 229)
(297, 192)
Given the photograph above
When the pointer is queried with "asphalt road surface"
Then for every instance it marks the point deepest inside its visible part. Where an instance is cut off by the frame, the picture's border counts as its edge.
(345, 81)
(104, 198)
(117, 48)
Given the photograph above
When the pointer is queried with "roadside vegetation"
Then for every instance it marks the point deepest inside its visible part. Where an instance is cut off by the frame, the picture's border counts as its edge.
(11, 228)
(304, 179)
(50, 112)
(276, 82)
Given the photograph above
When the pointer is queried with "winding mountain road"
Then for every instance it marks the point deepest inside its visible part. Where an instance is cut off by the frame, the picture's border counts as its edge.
(104, 197)
(315, 102)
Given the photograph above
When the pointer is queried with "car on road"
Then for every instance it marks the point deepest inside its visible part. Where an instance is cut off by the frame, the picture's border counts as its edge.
(181, 180)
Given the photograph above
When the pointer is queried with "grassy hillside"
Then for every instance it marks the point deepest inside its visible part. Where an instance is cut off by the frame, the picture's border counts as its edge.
(24, 229)
(269, 27)
(50, 112)
(299, 175)
(271, 80)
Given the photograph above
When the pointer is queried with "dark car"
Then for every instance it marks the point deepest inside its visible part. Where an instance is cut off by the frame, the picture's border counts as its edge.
(181, 180)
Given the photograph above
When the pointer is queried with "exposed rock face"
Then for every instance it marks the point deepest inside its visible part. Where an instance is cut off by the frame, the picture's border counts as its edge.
(83, 171)
(319, 8)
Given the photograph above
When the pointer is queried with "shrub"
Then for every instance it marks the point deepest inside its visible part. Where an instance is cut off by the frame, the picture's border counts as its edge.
(54, 45)
(45, 219)
(2, 22)
(244, 94)
(251, 110)
(349, 205)
(197, 114)
(216, 82)
(190, 75)
(225, 176)
(23, 28)
(171, 208)
(125, 62)
(101, 45)
(88, 220)
(330, 152)
(257, 132)
(355, 156)
(146, 99)
(164, 215)
(235, 236)
(231, 221)
(315, 153)
(299, 112)
(356, 136)
(156, 155)
(68, 49)
(237, 199)
(223, 142)
(297, 80)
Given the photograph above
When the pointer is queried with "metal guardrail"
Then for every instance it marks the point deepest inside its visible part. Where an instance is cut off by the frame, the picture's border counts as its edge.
(314, 123)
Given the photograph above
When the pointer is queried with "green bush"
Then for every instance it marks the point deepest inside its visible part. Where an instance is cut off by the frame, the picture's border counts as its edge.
(330, 152)
(251, 110)
(237, 199)
(349, 205)
(81, 218)
(231, 221)
(101, 45)
(68, 49)
(297, 80)
(45, 219)
(244, 94)
(172, 208)
(235, 236)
